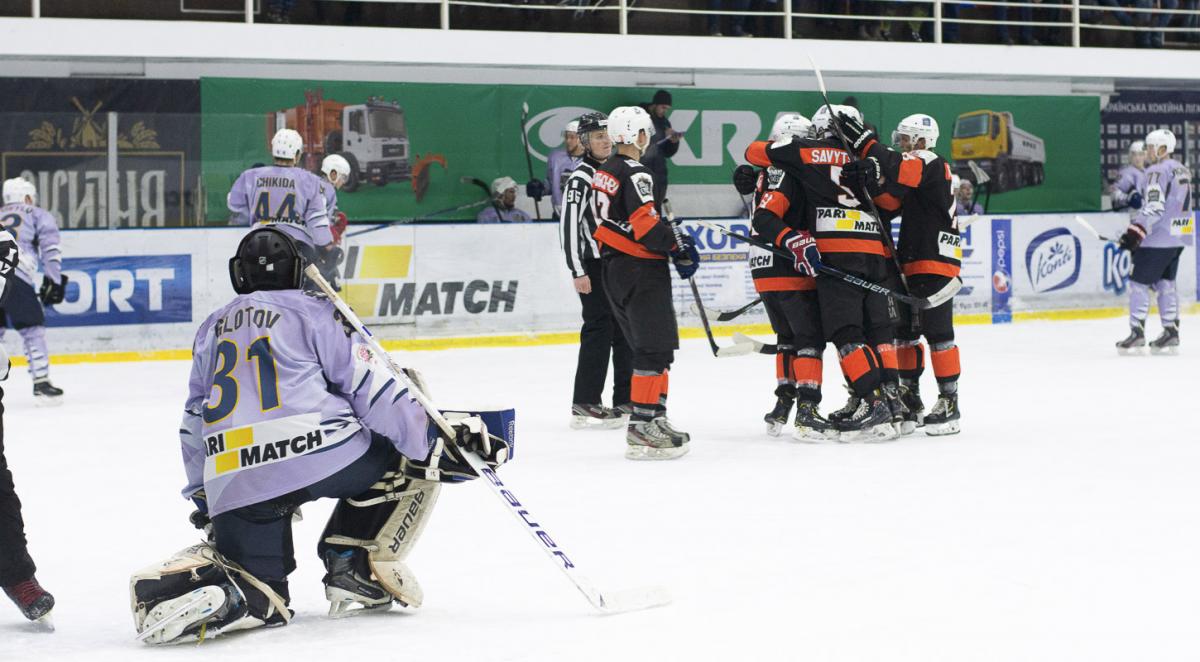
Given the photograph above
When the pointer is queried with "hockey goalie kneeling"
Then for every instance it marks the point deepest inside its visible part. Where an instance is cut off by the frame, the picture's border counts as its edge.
(320, 417)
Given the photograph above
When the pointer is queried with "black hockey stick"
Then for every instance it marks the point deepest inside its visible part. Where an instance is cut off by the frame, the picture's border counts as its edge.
(933, 301)
(728, 315)
(537, 207)
(717, 350)
(487, 190)
(431, 214)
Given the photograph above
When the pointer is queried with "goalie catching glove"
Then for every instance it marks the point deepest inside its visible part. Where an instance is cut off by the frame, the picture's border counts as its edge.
(488, 434)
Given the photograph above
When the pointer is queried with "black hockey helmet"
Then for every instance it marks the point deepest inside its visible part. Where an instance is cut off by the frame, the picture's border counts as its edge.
(267, 259)
(589, 122)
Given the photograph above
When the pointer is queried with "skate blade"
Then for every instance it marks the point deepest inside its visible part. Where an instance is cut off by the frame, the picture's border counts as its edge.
(352, 608)
(811, 436)
(588, 423)
(942, 429)
(774, 428)
(204, 602)
(872, 435)
(47, 400)
(907, 427)
(651, 453)
(1173, 350)
(1131, 351)
(44, 623)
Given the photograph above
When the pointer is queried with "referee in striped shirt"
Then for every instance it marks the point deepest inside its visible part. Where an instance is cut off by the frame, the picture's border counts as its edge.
(600, 334)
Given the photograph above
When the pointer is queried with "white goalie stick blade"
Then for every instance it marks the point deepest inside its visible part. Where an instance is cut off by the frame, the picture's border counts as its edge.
(634, 599)
(736, 349)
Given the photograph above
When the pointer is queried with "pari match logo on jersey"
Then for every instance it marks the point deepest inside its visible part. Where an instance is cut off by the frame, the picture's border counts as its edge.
(128, 289)
(231, 451)
(378, 285)
(1053, 260)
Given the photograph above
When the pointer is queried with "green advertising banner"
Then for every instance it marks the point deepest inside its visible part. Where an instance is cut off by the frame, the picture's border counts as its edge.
(416, 147)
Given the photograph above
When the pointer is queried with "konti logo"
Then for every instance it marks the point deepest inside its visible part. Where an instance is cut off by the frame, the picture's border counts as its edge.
(1053, 260)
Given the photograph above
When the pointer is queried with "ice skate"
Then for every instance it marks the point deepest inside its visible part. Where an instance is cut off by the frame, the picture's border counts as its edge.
(778, 417)
(595, 417)
(837, 416)
(34, 601)
(1135, 342)
(348, 583)
(1167, 342)
(915, 415)
(654, 440)
(870, 421)
(46, 394)
(811, 426)
(187, 617)
(891, 395)
(943, 418)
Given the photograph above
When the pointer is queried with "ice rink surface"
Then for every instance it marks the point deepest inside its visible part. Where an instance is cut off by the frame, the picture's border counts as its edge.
(1062, 524)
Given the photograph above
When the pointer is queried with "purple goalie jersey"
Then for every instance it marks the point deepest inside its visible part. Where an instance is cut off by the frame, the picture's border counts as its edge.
(1166, 211)
(36, 233)
(286, 197)
(281, 396)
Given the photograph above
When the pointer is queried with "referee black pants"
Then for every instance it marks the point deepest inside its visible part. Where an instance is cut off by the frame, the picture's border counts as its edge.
(600, 337)
(15, 564)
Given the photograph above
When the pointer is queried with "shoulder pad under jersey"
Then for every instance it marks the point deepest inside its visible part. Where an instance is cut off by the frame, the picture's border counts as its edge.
(925, 155)
(774, 177)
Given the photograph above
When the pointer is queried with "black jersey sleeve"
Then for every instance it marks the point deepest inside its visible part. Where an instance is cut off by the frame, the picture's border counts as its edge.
(783, 194)
(649, 228)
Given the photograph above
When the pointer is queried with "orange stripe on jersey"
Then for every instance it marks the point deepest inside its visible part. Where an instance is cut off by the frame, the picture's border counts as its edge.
(785, 284)
(857, 364)
(910, 171)
(945, 362)
(869, 246)
(643, 219)
(887, 201)
(824, 156)
(756, 153)
(931, 267)
(776, 203)
(807, 370)
(867, 148)
(626, 245)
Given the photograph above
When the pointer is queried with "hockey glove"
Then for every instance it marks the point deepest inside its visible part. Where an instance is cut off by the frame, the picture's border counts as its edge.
(1135, 200)
(861, 174)
(686, 257)
(857, 134)
(806, 257)
(51, 292)
(1132, 238)
(471, 435)
(199, 517)
(536, 189)
(338, 226)
(745, 179)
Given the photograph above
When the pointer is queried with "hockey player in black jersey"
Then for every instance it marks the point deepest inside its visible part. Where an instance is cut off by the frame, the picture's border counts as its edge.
(600, 334)
(788, 288)
(635, 245)
(918, 185)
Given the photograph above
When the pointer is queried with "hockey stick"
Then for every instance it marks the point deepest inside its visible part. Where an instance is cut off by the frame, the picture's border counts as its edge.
(981, 178)
(729, 315)
(537, 207)
(933, 301)
(487, 190)
(1093, 231)
(439, 212)
(611, 603)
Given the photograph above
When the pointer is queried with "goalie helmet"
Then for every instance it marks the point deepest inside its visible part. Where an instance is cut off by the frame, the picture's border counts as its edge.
(790, 124)
(916, 127)
(625, 124)
(335, 164)
(266, 259)
(287, 144)
(821, 120)
(1160, 137)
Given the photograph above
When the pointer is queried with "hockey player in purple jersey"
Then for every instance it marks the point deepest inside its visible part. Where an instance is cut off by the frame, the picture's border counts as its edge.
(562, 162)
(287, 196)
(36, 233)
(1126, 190)
(1156, 237)
(287, 404)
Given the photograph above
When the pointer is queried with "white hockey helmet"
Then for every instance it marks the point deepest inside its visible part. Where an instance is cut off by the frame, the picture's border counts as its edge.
(502, 184)
(572, 127)
(1137, 147)
(335, 164)
(917, 126)
(625, 123)
(790, 124)
(16, 189)
(287, 144)
(955, 184)
(1158, 137)
(821, 125)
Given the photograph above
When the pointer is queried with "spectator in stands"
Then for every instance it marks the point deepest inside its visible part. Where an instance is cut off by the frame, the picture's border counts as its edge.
(504, 200)
(737, 22)
(663, 145)
(1024, 32)
(280, 11)
(1153, 38)
(965, 199)
(1191, 21)
(950, 29)
(561, 163)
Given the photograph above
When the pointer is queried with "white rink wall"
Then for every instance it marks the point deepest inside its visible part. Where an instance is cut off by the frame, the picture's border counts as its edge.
(145, 291)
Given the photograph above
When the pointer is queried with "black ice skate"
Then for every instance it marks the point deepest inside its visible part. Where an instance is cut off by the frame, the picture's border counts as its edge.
(34, 601)
(1168, 342)
(811, 426)
(837, 416)
(870, 421)
(943, 418)
(348, 583)
(778, 417)
(46, 394)
(891, 395)
(595, 417)
(1136, 340)
(910, 395)
(654, 440)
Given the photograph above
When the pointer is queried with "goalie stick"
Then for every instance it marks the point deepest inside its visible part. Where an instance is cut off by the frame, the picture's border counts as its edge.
(728, 315)
(610, 603)
(933, 301)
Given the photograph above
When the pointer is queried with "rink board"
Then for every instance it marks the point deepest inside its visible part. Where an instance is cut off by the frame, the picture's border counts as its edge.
(142, 293)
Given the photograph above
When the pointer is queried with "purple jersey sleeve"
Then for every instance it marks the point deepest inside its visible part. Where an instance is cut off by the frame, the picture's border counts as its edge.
(559, 166)
(316, 217)
(191, 429)
(48, 244)
(238, 200)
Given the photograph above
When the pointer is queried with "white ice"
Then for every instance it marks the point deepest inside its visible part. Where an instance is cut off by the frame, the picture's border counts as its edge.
(1062, 524)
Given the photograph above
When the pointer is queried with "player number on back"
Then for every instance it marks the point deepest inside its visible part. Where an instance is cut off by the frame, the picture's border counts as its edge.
(224, 381)
(286, 209)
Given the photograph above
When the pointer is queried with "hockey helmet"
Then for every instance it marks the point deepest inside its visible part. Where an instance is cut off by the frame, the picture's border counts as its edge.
(1160, 137)
(916, 127)
(16, 189)
(589, 123)
(821, 120)
(335, 164)
(266, 259)
(791, 124)
(502, 184)
(287, 144)
(1137, 147)
(572, 127)
(625, 124)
